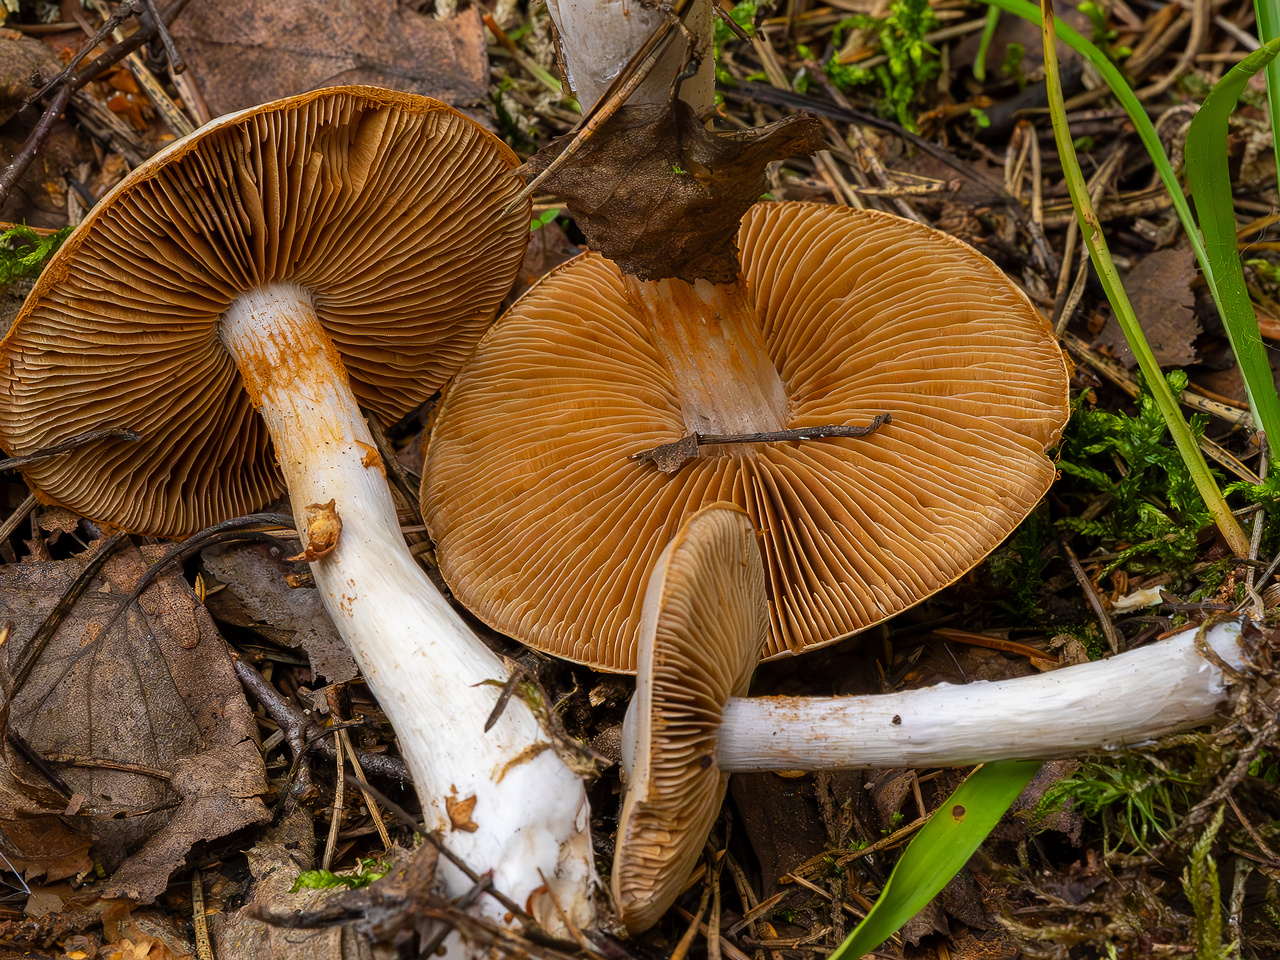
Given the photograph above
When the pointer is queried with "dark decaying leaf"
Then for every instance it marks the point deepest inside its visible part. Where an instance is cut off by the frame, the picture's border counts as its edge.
(279, 923)
(275, 861)
(146, 724)
(1159, 286)
(21, 60)
(258, 598)
(246, 52)
(661, 196)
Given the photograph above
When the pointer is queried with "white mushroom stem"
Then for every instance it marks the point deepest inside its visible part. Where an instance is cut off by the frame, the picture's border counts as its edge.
(599, 37)
(434, 678)
(1130, 698)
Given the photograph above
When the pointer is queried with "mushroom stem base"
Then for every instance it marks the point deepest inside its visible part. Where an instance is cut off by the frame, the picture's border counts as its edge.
(1108, 704)
(502, 800)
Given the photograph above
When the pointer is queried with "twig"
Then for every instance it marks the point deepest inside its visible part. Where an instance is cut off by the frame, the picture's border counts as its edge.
(74, 443)
(403, 816)
(345, 736)
(758, 92)
(204, 950)
(176, 63)
(297, 726)
(68, 82)
(1091, 594)
(15, 518)
(18, 166)
(226, 532)
(670, 457)
(339, 795)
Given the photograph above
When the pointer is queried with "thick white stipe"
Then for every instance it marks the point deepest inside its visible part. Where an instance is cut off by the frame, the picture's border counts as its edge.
(598, 37)
(433, 677)
(1130, 698)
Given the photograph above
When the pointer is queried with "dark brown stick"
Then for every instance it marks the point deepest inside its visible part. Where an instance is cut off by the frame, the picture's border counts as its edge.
(670, 457)
(66, 446)
(68, 83)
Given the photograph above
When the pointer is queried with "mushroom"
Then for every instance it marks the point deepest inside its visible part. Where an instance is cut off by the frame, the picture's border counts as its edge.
(688, 727)
(705, 619)
(235, 300)
(547, 525)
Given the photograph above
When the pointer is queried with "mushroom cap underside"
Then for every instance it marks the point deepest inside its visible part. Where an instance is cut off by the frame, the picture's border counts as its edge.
(385, 208)
(547, 529)
(705, 618)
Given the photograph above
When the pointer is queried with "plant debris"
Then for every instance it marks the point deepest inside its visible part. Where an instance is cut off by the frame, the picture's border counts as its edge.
(659, 195)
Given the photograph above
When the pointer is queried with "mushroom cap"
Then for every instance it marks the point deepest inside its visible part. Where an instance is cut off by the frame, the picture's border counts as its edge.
(385, 207)
(705, 618)
(546, 529)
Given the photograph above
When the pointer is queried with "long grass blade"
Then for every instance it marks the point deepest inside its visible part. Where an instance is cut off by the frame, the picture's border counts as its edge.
(1210, 183)
(939, 850)
(1095, 242)
(1142, 124)
(1267, 13)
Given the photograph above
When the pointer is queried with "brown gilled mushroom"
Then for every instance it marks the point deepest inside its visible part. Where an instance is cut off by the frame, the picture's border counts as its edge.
(688, 727)
(547, 525)
(233, 300)
(704, 621)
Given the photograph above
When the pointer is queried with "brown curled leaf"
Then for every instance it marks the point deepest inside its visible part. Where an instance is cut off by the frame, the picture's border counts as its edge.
(661, 196)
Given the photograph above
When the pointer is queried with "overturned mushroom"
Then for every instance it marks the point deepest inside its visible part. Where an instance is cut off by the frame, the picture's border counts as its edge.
(687, 729)
(233, 300)
(547, 525)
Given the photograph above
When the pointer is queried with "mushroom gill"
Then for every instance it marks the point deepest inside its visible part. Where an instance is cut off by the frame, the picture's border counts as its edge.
(547, 528)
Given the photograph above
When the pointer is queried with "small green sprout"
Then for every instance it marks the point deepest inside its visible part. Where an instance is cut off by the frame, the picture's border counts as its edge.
(1012, 66)
(542, 219)
(912, 62)
(369, 870)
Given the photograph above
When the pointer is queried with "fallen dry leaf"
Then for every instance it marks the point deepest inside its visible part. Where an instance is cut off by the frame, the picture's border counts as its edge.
(1159, 286)
(661, 196)
(244, 52)
(258, 598)
(275, 862)
(145, 722)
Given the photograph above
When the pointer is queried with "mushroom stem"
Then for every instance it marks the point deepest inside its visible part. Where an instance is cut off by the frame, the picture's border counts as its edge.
(599, 37)
(1106, 704)
(503, 801)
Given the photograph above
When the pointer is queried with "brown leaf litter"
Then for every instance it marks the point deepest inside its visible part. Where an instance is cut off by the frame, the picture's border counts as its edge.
(661, 196)
(144, 727)
(247, 52)
(257, 598)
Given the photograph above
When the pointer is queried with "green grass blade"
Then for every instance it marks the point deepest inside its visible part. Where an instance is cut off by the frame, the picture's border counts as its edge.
(988, 31)
(939, 850)
(1137, 116)
(1210, 182)
(1268, 15)
(1095, 242)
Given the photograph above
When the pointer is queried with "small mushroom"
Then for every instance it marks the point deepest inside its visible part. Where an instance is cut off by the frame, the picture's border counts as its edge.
(704, 621)
(688, 727)
(547, 525)
(235, 300)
